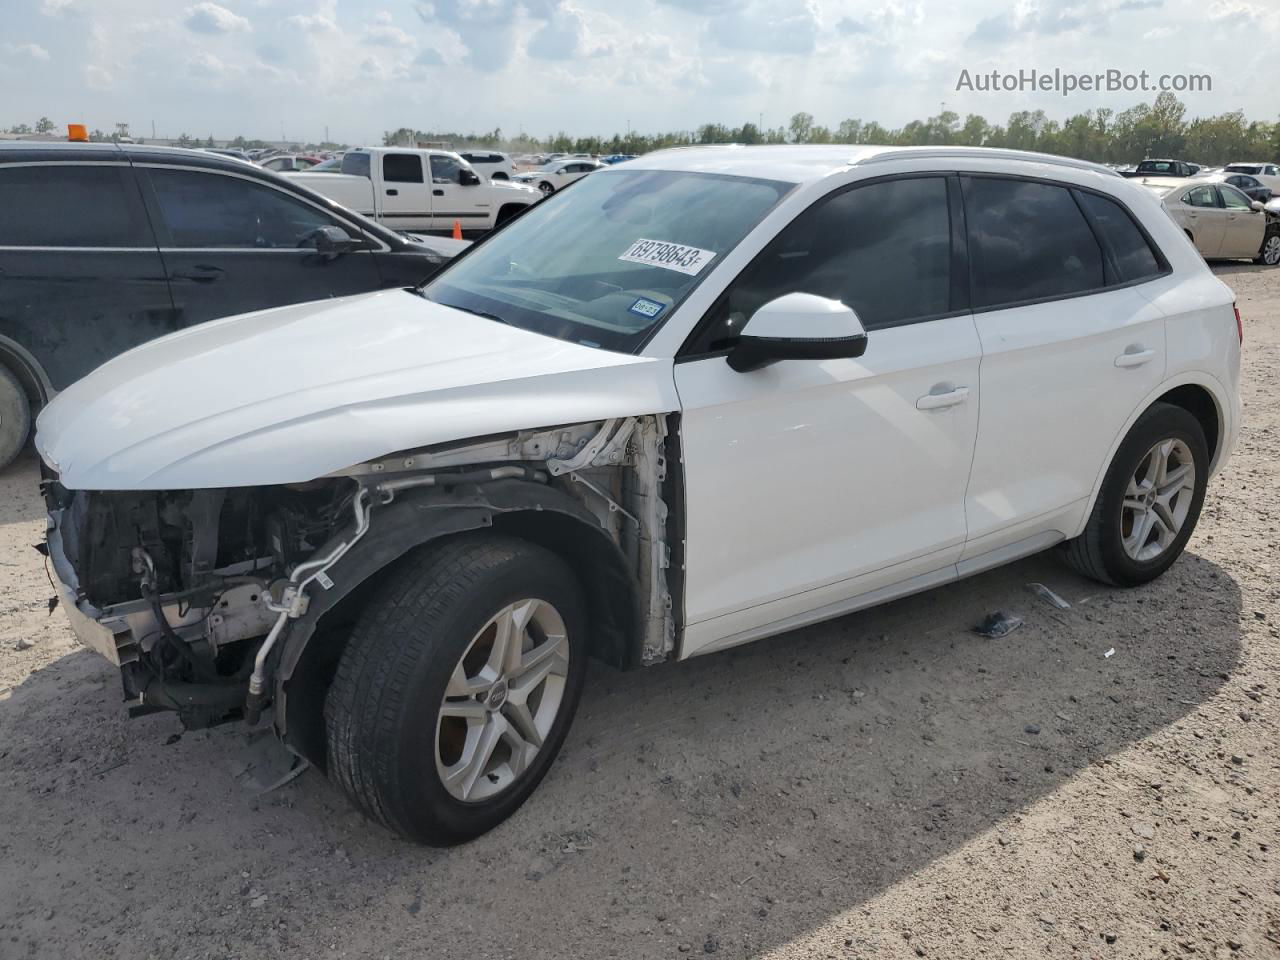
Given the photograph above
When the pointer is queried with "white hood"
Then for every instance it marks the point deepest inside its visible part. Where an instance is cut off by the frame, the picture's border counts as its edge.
(288, 395)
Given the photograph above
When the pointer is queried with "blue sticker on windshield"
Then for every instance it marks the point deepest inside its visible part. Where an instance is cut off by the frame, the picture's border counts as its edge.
(646, 308)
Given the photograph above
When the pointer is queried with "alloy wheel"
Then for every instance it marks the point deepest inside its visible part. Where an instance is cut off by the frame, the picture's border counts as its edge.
(502, 700)
(1271, 250)
(1157, 500)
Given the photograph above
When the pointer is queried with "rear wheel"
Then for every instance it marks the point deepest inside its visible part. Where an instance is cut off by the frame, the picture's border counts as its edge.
(15, 417)
(1149, 502)
(1269, 253)
(457, 687)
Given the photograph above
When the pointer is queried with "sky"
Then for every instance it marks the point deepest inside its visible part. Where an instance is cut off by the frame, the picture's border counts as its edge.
(271, 68)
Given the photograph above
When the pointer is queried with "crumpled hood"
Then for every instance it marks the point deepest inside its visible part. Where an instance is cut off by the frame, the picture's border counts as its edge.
(290, 394)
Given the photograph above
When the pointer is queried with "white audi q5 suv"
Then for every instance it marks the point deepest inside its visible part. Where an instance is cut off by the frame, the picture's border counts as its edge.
(703, 397)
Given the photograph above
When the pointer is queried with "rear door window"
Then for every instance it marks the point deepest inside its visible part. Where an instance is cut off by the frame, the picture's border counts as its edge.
(221, 211)
(1028, 241)
(1134, 258)
(402, 168)
(1204, 196)
(71, 205)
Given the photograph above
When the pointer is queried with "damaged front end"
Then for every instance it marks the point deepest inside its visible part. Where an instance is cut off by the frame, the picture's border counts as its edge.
(208, 600)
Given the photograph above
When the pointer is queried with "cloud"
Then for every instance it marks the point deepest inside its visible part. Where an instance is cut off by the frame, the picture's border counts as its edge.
(32, 50)
(562, 38)
(1049, 18)
(98, 77)
(993, 30)
(316, 23)
(1236, 11)
(705, 7)
(487, 29)
(58, 8)
(790, 26)
(428, 57)
(387, 35)
(213, 19)
(849, 26)
(206, 65)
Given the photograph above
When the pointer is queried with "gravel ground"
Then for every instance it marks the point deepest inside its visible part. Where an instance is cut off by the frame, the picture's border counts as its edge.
(885, 785)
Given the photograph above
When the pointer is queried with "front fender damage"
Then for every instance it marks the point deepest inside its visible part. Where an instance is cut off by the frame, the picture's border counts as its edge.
(189, 581)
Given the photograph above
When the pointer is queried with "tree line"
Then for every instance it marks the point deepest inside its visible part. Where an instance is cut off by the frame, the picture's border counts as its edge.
(1157, 129)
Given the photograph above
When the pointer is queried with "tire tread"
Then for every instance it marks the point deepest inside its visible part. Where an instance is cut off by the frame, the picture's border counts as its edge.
(371, 686)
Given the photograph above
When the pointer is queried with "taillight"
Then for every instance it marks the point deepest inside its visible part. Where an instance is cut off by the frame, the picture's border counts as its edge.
(1239, 324)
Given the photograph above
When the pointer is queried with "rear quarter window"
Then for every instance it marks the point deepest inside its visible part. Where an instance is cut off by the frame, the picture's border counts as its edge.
(1134, 258)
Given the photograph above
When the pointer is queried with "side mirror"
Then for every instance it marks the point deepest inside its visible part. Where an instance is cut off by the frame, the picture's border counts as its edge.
(1257, 206)
(468, 178)
(331, 241)
(798, 326)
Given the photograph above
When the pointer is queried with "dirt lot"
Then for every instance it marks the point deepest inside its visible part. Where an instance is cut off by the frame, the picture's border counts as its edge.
(887, 785)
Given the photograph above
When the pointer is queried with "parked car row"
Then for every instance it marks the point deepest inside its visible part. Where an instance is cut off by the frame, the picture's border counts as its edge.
(104, 246)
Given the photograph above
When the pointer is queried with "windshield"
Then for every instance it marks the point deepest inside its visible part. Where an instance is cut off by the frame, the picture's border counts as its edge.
(606, 262)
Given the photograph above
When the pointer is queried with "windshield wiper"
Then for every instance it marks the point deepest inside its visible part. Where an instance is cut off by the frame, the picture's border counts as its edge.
(478, 313)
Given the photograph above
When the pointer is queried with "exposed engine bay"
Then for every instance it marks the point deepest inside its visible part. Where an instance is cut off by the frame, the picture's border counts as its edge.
(206, 598)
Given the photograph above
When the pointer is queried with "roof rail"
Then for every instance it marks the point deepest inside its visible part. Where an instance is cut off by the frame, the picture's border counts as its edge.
(991, 153)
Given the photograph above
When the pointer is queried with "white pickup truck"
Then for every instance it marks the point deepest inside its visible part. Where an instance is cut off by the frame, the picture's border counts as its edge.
(419, 190)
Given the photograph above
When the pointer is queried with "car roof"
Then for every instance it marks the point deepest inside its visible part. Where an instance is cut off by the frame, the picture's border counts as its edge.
(1169, 184)
(804, 163)
(30, 150)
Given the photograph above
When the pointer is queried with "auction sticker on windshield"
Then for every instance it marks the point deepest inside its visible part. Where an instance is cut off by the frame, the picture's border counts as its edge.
(670, 256)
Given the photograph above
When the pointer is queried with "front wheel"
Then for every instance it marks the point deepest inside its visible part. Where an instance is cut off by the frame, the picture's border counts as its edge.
(1149, 502)
(15, 417)
(1269, 254)
(457, 687)
(546, 188)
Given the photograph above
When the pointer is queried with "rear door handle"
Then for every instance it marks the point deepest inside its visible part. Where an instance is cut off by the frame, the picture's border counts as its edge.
(949, 398)
(200, 274)
(1134, 357)
(392, 192)
(438, 193)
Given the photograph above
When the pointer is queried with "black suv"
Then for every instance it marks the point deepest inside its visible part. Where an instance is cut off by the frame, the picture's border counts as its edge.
(103, 247)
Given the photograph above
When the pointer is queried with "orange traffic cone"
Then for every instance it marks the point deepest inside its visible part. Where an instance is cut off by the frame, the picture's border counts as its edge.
(457, 229)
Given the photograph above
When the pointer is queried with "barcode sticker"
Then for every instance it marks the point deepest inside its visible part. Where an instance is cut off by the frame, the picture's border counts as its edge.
(669, 256)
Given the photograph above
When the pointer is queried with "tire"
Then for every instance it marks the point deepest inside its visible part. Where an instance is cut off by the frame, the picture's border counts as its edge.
(15, 417)
(1114, 548)
(546, 188)
(389, 746)
(1269, 253)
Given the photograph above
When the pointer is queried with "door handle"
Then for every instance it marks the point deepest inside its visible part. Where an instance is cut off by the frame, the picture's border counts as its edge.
(437, 193)
(1134, 357)
(949, 398)
(200, 274)
(392, 192)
